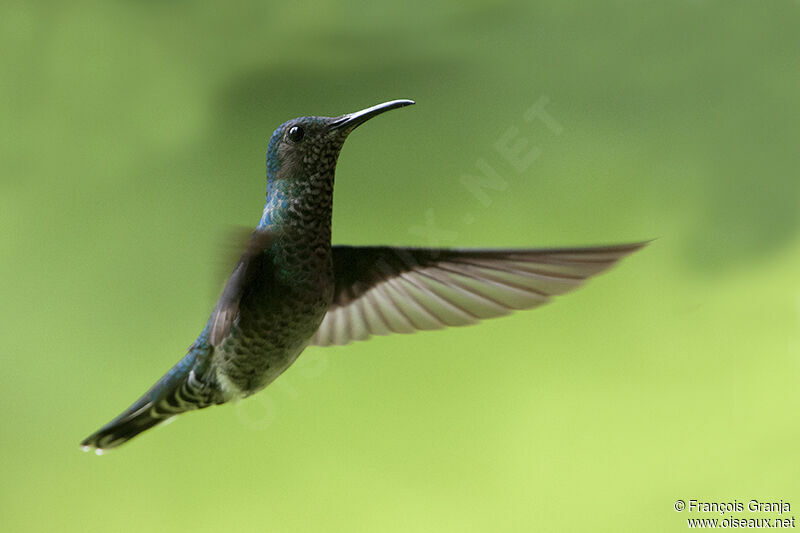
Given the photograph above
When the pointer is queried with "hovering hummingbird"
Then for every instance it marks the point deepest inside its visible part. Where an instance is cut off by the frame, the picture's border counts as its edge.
(291, 289)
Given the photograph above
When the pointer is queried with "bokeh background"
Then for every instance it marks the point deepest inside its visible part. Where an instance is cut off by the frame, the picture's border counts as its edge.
(133, 135)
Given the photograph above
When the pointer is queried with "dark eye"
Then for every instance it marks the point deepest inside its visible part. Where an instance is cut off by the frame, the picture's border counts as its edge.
(295, 134)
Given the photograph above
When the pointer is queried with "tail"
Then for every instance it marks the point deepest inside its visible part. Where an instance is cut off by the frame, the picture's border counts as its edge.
(137, 418)
(183, 388)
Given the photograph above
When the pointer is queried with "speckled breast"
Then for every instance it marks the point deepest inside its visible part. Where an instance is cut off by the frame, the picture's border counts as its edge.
(279, 313)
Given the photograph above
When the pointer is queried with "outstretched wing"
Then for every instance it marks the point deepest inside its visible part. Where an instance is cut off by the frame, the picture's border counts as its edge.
(382, 290)
(227, 308)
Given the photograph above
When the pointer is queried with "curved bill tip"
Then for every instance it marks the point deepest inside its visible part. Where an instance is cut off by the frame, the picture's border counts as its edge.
(352, 120)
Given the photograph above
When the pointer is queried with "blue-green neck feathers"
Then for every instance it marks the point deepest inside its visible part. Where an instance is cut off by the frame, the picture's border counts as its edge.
(276, 198)
(300, 175)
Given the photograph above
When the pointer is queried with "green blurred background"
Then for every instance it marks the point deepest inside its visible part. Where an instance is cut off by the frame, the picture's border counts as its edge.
(133, 135)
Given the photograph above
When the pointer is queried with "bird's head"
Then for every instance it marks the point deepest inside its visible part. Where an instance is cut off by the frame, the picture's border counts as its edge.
(308, 147)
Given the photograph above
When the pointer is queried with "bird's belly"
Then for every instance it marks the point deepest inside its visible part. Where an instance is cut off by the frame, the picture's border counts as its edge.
(265, 341)
(255, 369)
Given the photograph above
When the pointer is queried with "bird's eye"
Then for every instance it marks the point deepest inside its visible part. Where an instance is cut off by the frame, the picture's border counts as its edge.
(295, 134)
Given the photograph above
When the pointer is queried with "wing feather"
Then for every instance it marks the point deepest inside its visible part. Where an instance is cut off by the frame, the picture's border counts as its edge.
(382, 290)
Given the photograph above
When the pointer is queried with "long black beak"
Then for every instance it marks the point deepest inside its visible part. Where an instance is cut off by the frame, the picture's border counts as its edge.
(353, 120)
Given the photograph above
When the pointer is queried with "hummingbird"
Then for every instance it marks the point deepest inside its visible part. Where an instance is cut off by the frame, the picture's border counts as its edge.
(291, 288)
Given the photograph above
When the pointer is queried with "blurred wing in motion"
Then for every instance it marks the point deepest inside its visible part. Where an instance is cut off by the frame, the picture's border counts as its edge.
(227, 308)
(382, 290)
